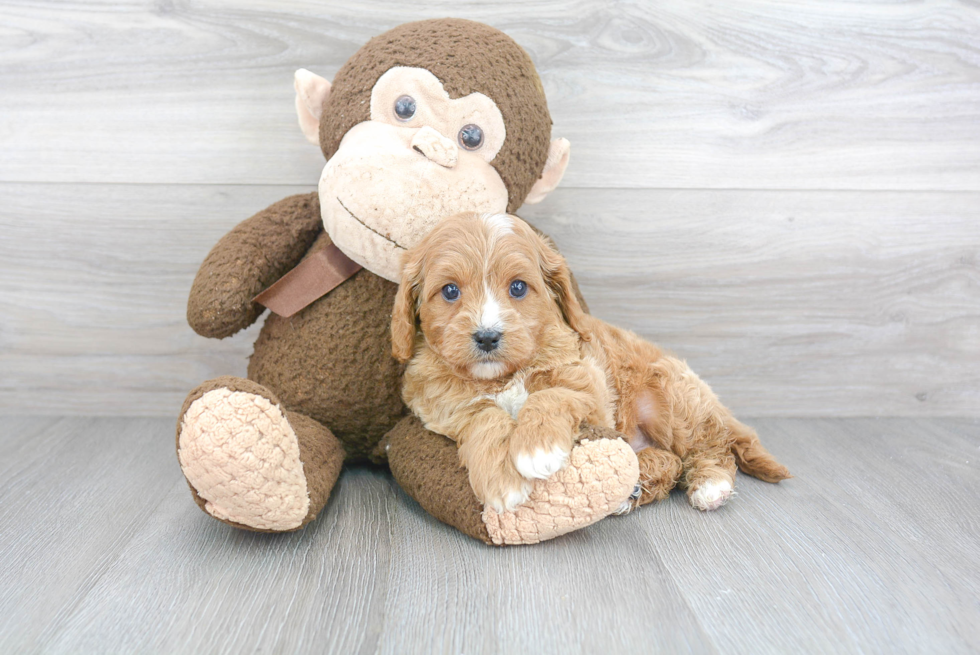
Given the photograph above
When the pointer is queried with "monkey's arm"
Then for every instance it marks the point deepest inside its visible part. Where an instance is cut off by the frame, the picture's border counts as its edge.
(247, 260)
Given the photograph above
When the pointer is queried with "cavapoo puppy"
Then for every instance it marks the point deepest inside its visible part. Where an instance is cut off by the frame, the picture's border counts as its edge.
(505, 361)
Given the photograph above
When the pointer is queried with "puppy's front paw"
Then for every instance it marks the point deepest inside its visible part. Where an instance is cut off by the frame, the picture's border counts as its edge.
(493, 477)
(508, 499)
(599, 477)
(539, 449)
(541, 464)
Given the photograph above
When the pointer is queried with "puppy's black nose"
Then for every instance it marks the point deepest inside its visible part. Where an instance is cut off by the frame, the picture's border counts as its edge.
(487, 340)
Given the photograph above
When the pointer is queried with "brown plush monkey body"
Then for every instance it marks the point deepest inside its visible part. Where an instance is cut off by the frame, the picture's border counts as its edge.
(427, 120)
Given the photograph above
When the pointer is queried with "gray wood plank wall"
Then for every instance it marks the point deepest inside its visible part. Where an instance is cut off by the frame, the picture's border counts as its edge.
(786, 194)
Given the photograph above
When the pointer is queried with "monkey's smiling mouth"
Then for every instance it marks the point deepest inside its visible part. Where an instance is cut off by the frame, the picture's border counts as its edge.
(389, 240)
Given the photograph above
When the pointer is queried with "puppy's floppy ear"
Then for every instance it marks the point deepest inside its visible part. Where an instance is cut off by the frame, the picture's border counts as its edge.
(558, 277)
(405, 312)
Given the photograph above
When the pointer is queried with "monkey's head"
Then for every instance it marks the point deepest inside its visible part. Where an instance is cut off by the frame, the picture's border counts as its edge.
(428, 120)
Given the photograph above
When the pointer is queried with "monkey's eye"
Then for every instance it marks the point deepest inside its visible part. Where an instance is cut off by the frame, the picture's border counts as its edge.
(518, 289)
(405, 108)
(450, 292)
(471, 137)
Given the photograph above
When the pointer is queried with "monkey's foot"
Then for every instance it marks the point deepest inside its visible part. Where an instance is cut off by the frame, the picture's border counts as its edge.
(251, 464)
(239, 453)
(600, 476)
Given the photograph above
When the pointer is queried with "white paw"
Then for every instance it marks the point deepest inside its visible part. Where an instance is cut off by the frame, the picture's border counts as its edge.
(711, 495)
(511, 500)
(516, 498)
(542, 464)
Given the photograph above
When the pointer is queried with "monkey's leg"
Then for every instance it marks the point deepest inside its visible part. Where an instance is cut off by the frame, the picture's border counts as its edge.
(601, 474)
(251, 464)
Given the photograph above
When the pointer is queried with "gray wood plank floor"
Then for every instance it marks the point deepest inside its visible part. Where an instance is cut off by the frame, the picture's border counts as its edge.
(872, 547)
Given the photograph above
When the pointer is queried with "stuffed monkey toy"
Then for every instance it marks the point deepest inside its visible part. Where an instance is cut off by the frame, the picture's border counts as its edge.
(427, 120)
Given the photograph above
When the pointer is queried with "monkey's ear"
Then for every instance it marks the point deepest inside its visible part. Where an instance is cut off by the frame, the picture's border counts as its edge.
(403, 314)
(311, 92)
(554, 169)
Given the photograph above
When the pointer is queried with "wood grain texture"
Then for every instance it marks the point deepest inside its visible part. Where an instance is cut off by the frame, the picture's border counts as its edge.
(788, 303)
(873, 95)
(93, 290)
(785, 194)
(710, 203)
(578, 594)
(872, 547)
(73, 494)
(791, 303)
(224, 590)
(873, 544)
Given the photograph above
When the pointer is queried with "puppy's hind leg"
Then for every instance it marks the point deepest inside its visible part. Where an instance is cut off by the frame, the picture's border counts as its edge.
(709, 477)
(660, 468)
(695, 428)
(660, 471)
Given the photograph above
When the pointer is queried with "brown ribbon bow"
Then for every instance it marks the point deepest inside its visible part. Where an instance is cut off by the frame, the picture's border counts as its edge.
(314, 277)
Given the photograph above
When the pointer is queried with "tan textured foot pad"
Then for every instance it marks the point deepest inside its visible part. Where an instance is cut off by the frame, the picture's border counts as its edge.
(599, 478)
(242, 456)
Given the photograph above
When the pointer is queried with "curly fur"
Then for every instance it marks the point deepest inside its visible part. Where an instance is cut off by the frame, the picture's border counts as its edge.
(562, 365)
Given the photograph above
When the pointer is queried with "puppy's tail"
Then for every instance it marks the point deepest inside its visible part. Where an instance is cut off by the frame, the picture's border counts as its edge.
(753, 458)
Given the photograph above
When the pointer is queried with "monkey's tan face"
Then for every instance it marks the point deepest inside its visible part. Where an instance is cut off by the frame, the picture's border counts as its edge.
(422, 157)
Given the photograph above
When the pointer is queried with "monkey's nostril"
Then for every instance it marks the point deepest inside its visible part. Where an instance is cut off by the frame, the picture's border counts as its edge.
(487, 340)
(418, 150)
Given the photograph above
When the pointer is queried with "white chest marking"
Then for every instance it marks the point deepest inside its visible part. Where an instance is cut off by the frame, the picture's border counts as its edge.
(512, 398)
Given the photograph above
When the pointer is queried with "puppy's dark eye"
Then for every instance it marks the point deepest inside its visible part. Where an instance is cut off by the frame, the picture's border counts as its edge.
(471, 137)
(450, 292)
(518, 289)
(405, 107)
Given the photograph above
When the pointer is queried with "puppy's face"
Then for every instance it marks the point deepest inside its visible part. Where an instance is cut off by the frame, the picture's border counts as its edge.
(483, 289)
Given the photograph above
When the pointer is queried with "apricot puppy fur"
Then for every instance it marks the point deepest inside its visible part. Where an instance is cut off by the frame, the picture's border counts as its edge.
(505, 362)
